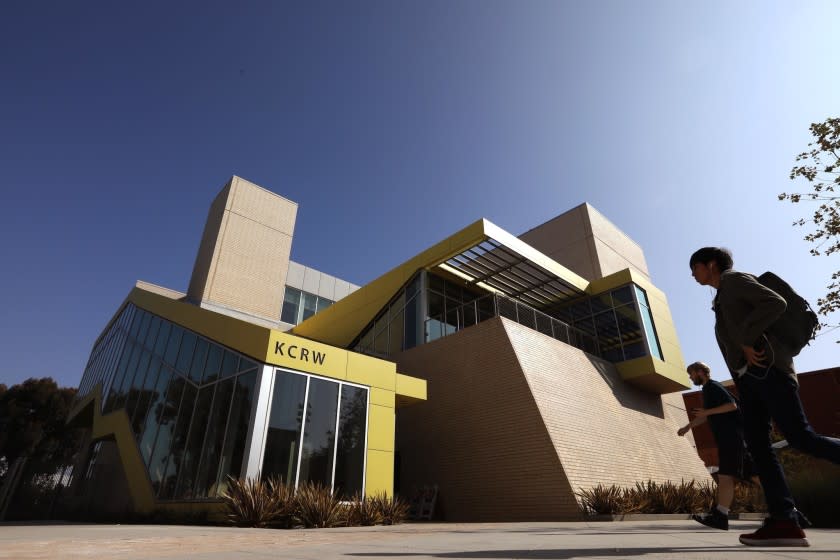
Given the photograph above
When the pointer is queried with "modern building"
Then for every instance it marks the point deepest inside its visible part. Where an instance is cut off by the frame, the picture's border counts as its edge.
(510, 372)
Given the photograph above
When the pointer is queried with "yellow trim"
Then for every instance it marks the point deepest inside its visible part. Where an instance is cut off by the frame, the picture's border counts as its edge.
(117, 425)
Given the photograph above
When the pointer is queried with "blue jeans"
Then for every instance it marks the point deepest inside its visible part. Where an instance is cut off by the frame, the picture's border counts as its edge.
(776, 396)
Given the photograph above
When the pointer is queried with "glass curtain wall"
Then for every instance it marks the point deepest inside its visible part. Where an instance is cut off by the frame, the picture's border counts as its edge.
(620, 321)
(187, 398)
(326, 445)
(399, 326)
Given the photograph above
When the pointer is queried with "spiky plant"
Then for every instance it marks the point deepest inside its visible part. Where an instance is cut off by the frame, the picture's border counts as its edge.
(317, 506)
(602, 500)
(254, 502)
(363, 511)
(393, 510)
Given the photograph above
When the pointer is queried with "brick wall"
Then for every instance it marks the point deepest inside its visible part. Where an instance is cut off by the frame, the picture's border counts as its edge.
(516, 422)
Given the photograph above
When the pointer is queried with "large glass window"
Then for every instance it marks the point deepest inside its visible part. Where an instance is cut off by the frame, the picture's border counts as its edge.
(284, 428)
(303, 447)
(188, 400)
(316, 463)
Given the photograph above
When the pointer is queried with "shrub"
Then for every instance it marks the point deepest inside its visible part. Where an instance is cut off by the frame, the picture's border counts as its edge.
(317, 506)
(258, 503)
(362, 511)
(392, 510)
(602, 500)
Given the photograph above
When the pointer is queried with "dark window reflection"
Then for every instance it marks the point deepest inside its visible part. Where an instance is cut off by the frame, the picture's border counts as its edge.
(209, 469)
(350, 457)
(237, 429)
(283, 439)
(179, 442)
(319, 432)
(195, 441)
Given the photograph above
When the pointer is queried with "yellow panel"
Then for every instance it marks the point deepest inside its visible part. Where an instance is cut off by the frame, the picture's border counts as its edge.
(306, 355)
(412, 387)
(673, 377)
(371, 371)
(381, 428)
(382, 397)
(250, 339)
(117, 425)
(379, 478)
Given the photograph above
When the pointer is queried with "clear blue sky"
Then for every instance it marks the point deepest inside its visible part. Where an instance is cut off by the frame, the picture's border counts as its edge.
(396, 123)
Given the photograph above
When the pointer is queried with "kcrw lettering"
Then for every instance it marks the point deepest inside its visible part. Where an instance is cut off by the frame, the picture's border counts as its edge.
(299, 353)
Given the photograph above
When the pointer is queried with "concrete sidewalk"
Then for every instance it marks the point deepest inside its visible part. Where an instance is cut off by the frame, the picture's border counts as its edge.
(685, 540)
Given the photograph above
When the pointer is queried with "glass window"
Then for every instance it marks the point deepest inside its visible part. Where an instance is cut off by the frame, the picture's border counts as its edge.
(309, 306)
(316, 464)
(581, 310)
(214, 363)
(623, 295)
(282, 443)
(291, 304)
(601, 302)
(199, 358)
(209, 469)
(137, 383)
(144, 328)
(185, 354)
(162, 339)
(323, 303)
(641, 295)
(380, 343)
(650, 333)
(145, 398)
(114, 391)
(230, 363)
(155, 414)
(237, 429)
(608, 338)
(195, 441)
(412, 314)
(135, 323)
(350, 453)
(435, 283)
(154, 327)
(396, 339)
(628, 324)
(171, 355)
(172, 436)
(245, 364)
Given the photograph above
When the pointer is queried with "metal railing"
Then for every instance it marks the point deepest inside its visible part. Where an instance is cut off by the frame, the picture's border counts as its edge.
(496, 305)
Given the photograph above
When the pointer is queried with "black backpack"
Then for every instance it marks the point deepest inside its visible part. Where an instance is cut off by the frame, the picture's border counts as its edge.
(798, 325)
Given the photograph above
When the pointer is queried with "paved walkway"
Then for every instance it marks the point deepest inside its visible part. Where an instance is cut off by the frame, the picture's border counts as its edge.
(648, 540)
